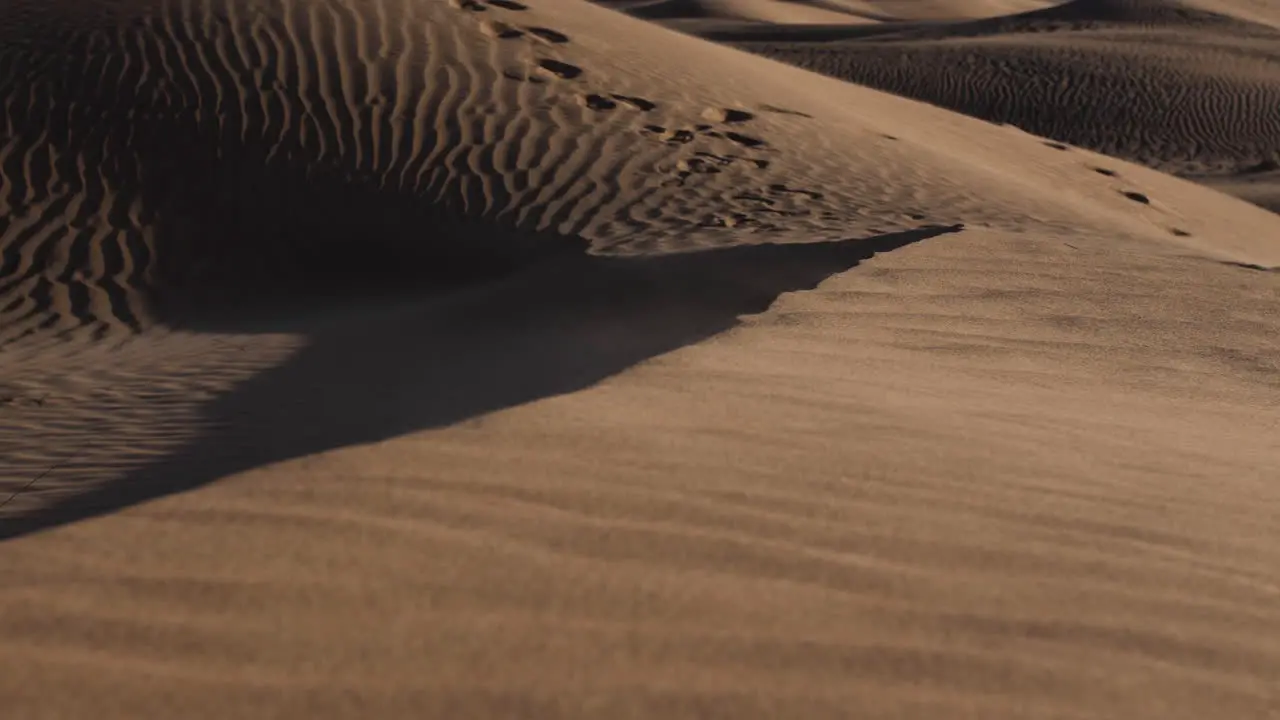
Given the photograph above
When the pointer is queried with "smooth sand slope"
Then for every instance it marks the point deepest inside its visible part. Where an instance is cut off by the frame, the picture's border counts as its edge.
(406, 359)
(1191, 88)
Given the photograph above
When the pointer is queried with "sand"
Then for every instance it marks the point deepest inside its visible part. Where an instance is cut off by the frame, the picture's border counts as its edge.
(417, 359)
(1189, 88)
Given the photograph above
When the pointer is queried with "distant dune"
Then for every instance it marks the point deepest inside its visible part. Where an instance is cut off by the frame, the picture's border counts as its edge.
(524, 359)
(1191, 89)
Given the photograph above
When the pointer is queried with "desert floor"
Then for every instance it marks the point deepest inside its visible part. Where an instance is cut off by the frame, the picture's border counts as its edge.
(543, 359)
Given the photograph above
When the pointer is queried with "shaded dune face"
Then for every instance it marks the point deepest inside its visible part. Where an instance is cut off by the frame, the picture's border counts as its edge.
(555, 329)
(167, 153)
(1173, 87)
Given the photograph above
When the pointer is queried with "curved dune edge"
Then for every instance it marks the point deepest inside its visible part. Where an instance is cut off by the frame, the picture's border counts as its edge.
(983, 470)
(189, 149)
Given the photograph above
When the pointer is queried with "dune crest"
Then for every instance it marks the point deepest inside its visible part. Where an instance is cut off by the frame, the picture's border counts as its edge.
(197, 153)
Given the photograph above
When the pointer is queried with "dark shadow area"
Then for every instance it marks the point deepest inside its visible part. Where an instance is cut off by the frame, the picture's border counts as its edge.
(232, 183)
(556, 327)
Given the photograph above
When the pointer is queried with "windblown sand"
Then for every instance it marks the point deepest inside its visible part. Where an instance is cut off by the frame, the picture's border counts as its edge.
(427, 359)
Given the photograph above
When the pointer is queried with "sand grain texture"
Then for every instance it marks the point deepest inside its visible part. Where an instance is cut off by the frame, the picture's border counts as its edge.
(418, 358)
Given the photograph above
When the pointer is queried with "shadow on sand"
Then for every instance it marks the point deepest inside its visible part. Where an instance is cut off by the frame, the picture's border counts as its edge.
(554, 328)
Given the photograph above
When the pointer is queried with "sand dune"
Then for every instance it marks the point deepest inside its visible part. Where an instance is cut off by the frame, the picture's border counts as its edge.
(199, 151)
(418, 358)
(1188, 88)
(818, 12)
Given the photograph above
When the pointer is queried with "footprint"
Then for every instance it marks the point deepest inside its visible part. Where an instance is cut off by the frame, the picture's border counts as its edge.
(508, 5)
(1136, 197)
(596, 102)
(752, 197)
(698, 165)
(728, 221)
(496, 29)
(744, 140)
(726, 115)
(731, 159)
(562, 70)
(780, 188)
(684, 136)
(1057, 146)
(689, 167)
(548, 35)
(600, 102)
(636, 102)
(1105, 171)
(670, 136)
(1179, 232)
